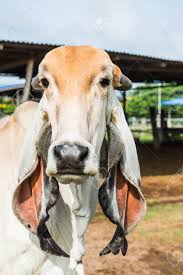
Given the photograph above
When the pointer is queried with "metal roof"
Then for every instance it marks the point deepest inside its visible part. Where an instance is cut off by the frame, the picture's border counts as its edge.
(15, 54)
(17, 89)
(5, 88)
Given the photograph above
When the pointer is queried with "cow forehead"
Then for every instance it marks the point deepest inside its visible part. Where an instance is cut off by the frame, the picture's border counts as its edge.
(76, 63)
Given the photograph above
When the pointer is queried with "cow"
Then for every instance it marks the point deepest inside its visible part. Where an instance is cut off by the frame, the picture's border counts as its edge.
(50, 161)
(3, 121)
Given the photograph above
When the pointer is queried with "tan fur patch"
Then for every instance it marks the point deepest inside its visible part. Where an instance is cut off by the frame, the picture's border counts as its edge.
(114, 116)
(74, 67)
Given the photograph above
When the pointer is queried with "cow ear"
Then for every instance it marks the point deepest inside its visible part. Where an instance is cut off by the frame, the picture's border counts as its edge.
(120, 80)
(27, 198)
(120, 196)
(36, 83)
(32, 200)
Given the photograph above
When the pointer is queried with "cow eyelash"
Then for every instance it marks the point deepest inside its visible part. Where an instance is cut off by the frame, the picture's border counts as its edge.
(104, 82)
(45, 82)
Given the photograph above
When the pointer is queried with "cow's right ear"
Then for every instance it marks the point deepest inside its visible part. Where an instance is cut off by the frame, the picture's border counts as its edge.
(120, 80)
(36, 83)
(120, 196)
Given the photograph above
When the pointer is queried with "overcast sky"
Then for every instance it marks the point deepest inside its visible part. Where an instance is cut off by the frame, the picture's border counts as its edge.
(150, 27)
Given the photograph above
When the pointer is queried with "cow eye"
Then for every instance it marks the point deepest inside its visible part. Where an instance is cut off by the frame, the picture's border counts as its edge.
(104, 82)
(45, 82)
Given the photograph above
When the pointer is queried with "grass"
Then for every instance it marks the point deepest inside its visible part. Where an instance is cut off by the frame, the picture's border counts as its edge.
(169, 211)
(164, 223)
(146, 137)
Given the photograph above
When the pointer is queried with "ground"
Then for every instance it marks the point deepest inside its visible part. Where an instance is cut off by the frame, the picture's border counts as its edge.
(156, 244)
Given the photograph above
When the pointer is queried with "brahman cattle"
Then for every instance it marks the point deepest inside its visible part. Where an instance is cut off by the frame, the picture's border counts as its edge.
(50, 159)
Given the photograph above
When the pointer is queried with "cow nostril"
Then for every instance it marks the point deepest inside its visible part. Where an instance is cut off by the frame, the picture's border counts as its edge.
(57, 151)
(83, 153)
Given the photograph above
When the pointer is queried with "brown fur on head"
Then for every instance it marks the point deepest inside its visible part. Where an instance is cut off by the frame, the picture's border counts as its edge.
(78, 64)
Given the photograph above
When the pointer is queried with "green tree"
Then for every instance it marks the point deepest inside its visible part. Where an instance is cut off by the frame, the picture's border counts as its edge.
(141, 99)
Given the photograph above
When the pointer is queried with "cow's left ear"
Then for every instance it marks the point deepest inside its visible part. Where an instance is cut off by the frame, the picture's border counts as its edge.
(120, 196)
(36, 83)
(120, 80)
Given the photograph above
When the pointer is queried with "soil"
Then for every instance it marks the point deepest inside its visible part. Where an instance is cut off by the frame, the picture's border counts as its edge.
(146, 257)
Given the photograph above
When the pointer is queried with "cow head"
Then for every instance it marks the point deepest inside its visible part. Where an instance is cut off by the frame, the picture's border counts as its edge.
(76, 82)
(77, 106)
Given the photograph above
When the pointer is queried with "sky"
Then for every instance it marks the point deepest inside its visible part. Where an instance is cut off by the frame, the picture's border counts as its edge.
(147, 27)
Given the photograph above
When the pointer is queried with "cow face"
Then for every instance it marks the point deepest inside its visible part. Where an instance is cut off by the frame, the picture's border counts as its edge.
(76, 81)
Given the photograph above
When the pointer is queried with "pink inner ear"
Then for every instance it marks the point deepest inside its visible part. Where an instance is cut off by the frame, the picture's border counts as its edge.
(28, 198)
(134, 207)
(121, 194)
(128, 200)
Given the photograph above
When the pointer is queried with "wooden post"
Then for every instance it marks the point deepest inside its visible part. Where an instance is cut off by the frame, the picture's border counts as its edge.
(124, 103)
(28, 78)
(155, 129)
(18, 98)
(164, 134)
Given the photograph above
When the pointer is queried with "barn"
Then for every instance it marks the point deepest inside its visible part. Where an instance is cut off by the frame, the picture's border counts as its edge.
(21, 59)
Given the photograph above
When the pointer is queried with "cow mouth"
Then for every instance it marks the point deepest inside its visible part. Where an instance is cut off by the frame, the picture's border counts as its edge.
(67, 176)
(68, 172)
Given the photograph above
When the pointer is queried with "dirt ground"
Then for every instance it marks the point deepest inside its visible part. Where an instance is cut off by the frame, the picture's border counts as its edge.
(156, 244)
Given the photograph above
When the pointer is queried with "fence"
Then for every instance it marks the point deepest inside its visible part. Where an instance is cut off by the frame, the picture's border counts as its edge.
(144, 124)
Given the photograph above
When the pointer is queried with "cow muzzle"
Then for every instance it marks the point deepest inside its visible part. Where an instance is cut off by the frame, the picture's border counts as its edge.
(70, 158)
(70, 161)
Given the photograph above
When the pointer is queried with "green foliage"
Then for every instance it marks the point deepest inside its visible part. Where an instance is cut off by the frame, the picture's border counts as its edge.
(7, 106)
(141, 99)
(9, 109)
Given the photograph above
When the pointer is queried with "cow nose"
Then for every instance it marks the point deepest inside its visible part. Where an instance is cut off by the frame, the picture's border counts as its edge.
(71, 156)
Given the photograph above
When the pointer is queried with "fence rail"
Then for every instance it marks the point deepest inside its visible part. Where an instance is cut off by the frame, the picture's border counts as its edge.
(144, 124)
